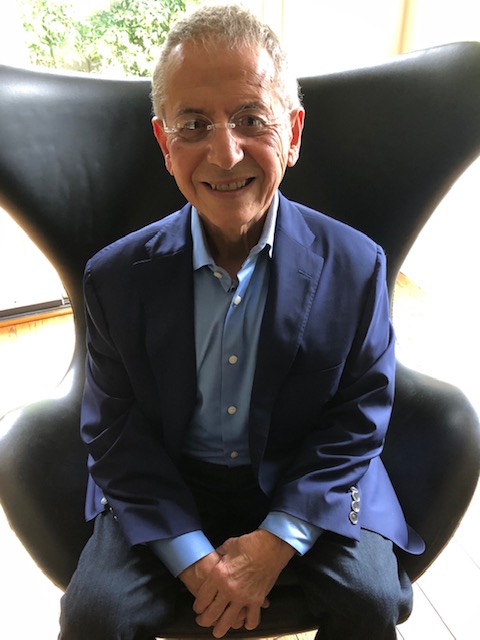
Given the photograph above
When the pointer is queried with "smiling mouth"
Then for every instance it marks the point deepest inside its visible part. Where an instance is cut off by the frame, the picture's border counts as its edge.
(230, 186)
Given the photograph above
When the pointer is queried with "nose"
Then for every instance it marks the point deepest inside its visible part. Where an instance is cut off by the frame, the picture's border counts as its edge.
(224, 148)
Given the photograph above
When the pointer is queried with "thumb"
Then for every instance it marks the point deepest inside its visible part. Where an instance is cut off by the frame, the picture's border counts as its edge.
(224, 548)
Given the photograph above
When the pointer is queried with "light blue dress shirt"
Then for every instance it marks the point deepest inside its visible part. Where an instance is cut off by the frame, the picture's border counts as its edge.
(228, 316)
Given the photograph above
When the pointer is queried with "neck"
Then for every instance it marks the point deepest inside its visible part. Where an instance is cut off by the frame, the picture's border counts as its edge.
(230, 250)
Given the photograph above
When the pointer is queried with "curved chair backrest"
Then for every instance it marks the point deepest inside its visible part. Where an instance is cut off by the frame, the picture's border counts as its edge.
(79, 167)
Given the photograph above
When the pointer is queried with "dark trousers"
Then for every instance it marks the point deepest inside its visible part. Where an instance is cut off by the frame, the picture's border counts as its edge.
(357, 589)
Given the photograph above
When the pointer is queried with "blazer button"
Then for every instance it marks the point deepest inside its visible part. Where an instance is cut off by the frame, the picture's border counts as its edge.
(356, 506)
(353, 517)
(355, 494)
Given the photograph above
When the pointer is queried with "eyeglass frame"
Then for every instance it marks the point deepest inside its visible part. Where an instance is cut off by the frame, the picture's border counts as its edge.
(210, 126)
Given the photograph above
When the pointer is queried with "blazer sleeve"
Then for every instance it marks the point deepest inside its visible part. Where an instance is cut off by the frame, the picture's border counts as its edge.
(126, 455)
(335, 455)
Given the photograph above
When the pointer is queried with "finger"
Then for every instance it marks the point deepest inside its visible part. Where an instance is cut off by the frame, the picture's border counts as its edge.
(223, 548)
(205, 596)
(238, 624)
(266, 603)
(240, 621)
(228, 620)
(253, 618)
(213, 612)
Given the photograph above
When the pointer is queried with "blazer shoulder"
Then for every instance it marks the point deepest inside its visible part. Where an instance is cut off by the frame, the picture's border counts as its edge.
(134, 247)
(336, 239)
(333, 228)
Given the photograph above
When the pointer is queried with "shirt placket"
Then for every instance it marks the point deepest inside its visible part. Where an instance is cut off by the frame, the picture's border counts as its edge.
(234, 346)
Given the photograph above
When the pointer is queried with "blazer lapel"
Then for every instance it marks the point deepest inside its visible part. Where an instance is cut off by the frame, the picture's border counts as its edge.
(165, 282)
(294, 279)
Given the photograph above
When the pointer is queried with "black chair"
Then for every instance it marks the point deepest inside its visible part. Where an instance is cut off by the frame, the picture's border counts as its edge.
(79, 167)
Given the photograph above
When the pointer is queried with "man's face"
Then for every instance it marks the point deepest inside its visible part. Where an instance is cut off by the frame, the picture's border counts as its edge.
(229, 178)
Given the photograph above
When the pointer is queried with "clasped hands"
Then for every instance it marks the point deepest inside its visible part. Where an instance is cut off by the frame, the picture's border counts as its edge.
(231, 584)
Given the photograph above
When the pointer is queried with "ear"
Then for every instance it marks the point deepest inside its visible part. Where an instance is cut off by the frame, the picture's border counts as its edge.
(163, 142)
(296, 119)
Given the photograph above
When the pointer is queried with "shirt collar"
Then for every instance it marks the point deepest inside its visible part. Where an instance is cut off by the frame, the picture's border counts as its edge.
(201, 252)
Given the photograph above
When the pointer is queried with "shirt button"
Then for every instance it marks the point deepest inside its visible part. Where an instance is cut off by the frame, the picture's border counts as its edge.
(104, 501)
(234, 455)
(237, 300)
(217, 274)
(231, 410)
(233, 359)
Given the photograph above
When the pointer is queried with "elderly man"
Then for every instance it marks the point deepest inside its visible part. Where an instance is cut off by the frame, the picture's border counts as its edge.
(240, 375)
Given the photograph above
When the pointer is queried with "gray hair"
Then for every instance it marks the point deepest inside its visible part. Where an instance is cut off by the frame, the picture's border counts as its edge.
(236, 27)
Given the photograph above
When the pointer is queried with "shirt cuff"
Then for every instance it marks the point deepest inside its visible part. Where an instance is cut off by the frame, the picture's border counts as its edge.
(299, 534)
(182, 551)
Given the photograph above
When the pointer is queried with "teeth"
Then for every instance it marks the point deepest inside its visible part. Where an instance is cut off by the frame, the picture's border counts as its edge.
(232, 186)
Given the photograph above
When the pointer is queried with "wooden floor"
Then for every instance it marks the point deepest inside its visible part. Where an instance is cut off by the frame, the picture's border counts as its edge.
(446, 597)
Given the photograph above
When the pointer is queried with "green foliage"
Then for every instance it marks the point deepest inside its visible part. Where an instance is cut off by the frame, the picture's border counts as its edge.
(124, 37)
(47, 28)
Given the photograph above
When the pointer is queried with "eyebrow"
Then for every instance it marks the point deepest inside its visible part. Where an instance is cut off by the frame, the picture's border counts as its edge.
(244, 107)
(251, 105)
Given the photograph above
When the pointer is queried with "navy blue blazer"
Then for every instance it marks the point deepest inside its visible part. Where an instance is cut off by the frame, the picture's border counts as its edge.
(322, 393)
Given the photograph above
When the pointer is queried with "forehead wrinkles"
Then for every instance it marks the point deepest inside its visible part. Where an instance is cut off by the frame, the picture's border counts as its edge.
(246, 74)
